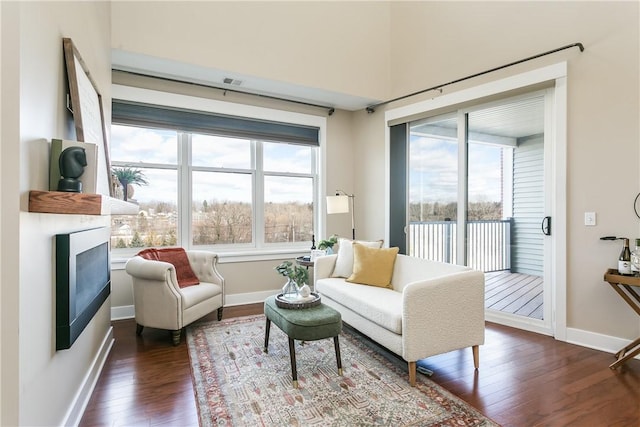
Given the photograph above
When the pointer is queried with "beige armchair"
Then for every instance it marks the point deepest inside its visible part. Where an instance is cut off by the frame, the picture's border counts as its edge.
(161, 303)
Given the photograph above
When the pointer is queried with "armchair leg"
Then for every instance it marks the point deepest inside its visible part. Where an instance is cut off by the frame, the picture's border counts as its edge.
(476, 356)
(175, 335)
(139, 329)
(220, 313)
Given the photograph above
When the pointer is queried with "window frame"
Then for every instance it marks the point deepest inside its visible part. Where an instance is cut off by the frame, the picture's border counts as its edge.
(257, 250)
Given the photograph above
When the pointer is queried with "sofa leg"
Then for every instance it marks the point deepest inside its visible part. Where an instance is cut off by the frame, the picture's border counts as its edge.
(476, 356)
(175, 336)
(139, 329)
(220, 313)
(412, 374)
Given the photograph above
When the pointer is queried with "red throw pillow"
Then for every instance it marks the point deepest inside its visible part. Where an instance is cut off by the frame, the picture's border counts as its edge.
(177, 257)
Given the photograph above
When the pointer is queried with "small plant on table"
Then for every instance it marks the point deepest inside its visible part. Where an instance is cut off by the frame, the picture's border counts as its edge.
(296, 273)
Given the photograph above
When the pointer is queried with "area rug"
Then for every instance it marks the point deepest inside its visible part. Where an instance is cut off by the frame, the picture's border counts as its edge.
(237, 384)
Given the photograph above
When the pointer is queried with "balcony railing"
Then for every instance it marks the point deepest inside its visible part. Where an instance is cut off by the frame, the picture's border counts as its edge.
(488, 243)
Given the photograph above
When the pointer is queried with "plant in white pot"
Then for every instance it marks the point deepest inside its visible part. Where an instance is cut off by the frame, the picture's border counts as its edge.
(327, 244)
(297, 276)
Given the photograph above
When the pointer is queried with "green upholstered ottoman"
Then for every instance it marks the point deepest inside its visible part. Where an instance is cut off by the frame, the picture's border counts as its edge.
(306, 324)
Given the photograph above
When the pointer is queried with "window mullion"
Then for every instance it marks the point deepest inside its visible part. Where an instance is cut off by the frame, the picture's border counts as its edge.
(316, 217)
(258, 193)
(184, 189)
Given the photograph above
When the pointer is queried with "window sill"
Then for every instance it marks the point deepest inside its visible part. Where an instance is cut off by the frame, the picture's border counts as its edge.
(118, 262)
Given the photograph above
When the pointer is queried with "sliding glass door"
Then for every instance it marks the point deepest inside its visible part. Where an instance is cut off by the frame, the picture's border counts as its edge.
(476, 197)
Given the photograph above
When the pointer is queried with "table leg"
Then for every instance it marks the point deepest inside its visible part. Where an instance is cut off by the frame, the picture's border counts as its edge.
(294, 370)
(266, 335)
(336, 344)
(626, 353)
(632, 298)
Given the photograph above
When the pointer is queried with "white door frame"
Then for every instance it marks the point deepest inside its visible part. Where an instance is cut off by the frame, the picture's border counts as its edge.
(556, 107)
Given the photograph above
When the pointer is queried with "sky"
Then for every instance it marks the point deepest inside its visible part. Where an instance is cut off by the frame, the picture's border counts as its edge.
(433, 171)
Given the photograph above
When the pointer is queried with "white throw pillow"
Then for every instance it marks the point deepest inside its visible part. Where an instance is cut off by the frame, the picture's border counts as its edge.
(344, 261)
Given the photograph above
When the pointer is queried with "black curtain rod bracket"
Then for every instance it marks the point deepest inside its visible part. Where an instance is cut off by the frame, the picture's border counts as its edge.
(372, 108)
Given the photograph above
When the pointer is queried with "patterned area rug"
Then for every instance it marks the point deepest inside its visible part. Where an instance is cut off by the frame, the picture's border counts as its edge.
(237, 384)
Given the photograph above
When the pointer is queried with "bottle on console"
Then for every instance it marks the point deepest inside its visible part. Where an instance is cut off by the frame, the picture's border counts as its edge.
(624, 260)
(635, 259)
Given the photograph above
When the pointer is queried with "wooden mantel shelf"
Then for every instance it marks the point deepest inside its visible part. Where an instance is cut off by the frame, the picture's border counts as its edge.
(60, 202)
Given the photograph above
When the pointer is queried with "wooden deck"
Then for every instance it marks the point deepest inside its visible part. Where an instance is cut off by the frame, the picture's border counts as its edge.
(515, 293)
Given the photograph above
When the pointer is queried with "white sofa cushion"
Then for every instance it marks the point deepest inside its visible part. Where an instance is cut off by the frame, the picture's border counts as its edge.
(381, 306)
(344, 262)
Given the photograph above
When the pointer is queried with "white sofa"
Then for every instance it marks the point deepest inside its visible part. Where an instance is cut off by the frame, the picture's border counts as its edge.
(433, 307)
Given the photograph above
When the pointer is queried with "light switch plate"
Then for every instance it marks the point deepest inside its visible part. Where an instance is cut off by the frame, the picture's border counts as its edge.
(590, 219)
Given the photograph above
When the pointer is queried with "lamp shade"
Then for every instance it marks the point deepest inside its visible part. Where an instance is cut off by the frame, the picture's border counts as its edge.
(337, 204)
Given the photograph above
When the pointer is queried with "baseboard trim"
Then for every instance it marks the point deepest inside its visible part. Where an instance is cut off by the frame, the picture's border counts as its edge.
(248, 297)
(81, 399)
(597, 341)
(575, 336)
(123, 312)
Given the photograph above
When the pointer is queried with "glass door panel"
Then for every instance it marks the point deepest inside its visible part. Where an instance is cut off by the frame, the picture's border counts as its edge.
(433, 189)
(506, 204)
(488, 206)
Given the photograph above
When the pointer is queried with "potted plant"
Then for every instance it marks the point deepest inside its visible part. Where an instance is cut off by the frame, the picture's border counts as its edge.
(129, 177)
(327, 244)
(297, 276)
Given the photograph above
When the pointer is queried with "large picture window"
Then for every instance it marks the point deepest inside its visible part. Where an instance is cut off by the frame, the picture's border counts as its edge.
(226, 189)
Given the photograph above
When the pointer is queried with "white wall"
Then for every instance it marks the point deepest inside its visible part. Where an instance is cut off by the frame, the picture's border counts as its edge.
(9, 215)
(42, 386)
(339, 46)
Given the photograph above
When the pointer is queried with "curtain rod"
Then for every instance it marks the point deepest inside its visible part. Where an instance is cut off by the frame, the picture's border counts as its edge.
(372, 108)
(330, 110)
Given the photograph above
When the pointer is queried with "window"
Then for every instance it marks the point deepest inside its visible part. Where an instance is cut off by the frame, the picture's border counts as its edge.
(228, 189)
(154, 153)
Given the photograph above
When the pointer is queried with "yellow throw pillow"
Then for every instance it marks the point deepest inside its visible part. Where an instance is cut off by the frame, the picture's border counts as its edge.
(344, 261)
(373, 266)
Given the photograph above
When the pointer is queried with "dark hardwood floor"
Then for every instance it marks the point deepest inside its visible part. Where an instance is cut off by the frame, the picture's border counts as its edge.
(525, 379)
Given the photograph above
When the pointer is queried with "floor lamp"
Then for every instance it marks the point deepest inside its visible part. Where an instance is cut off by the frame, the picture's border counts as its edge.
(340, 204)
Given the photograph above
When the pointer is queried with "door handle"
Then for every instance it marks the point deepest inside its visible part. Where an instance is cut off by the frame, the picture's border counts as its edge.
(546, 226)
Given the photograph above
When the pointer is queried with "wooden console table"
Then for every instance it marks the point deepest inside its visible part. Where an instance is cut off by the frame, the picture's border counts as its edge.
(624, 285)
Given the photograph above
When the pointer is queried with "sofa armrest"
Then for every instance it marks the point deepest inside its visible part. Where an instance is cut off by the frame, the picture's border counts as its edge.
(323, 267)
(443, 314)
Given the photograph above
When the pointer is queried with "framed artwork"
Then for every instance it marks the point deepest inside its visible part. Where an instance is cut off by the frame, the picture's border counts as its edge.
(86, 105)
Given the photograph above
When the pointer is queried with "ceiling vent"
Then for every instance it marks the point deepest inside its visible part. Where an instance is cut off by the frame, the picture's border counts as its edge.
(230, 81)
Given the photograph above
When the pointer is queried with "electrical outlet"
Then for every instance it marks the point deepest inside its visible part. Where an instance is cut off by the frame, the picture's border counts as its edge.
(590, 219)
